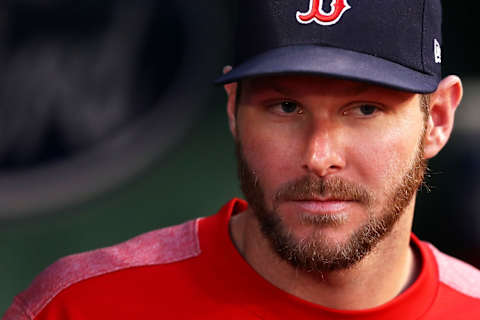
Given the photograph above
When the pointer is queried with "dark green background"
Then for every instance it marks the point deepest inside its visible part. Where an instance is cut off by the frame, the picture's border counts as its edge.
(196, 177)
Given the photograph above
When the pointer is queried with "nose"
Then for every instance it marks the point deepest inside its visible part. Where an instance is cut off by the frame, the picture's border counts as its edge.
(324, 154)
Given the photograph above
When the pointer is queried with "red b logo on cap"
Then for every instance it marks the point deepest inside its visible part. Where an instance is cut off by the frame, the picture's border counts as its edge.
(316, 13)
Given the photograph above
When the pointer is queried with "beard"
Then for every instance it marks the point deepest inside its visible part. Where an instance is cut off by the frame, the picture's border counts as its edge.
(316, 253)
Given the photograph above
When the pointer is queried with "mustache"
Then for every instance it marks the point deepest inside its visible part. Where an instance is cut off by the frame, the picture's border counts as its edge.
(311, 187)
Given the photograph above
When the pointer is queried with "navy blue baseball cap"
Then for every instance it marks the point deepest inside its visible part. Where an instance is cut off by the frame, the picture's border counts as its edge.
(391, 43)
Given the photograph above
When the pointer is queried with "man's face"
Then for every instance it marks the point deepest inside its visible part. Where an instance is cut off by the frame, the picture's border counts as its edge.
(328, 166)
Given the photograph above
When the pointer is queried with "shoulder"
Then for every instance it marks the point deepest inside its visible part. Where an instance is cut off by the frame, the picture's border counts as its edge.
(457, 274)
(163, 246)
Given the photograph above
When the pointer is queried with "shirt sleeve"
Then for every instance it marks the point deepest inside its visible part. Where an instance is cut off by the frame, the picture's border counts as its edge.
(16, 311)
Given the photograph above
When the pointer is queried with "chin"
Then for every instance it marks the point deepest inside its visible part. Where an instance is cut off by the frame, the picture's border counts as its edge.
(326, 234)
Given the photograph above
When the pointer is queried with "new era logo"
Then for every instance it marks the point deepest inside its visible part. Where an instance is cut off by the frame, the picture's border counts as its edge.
(437, 51)
(317, 14)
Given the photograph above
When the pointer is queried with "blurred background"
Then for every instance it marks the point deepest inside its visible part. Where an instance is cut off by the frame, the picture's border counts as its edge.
(110, 127)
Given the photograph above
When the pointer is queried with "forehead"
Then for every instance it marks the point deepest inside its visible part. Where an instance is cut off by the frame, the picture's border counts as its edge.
(304, 85)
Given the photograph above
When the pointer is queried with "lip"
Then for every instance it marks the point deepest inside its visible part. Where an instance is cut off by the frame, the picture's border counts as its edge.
(325, 206)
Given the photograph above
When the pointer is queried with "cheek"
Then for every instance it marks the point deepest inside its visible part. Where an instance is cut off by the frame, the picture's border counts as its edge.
(273, 154)
(387, 156)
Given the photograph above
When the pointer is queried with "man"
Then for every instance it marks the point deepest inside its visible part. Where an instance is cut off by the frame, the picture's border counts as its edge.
(334, 114)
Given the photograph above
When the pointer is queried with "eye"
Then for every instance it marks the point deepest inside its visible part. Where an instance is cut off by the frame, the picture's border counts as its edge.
(363, 110)
(367, 109)
(287, 107)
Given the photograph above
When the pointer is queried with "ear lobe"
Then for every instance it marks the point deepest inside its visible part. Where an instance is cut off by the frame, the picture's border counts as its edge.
(231, 90)
(443, 103)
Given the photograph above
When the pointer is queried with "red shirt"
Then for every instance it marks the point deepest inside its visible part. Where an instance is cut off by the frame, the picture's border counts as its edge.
(194, 271)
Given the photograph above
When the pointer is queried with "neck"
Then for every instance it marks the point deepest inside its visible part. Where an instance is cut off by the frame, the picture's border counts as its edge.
(384, 273)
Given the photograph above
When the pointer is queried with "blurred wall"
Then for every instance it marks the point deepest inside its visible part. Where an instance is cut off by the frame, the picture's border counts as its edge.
(110, 127)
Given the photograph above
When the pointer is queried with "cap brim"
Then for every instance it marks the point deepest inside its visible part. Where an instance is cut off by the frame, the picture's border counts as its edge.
(332, 62)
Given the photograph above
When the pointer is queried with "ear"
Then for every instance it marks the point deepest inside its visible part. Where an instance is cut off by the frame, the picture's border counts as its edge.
(231, 90)
(443, 103)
